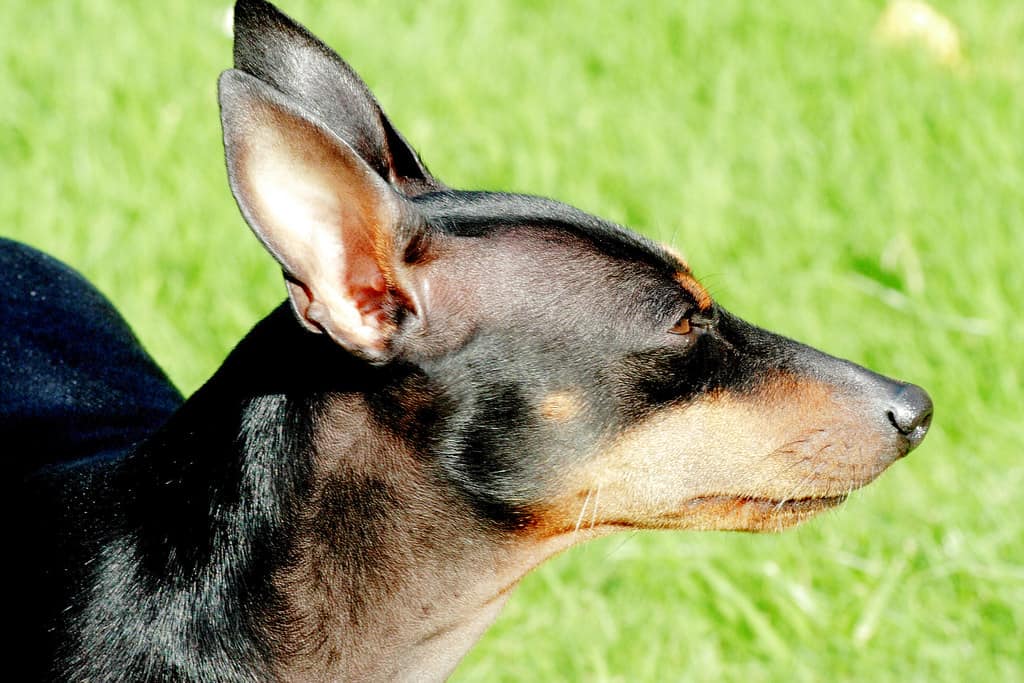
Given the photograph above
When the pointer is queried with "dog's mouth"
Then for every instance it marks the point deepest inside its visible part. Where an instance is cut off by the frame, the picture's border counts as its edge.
(748, 513)
(718, 512)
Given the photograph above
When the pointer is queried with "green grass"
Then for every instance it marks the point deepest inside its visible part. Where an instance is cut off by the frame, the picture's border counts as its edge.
(864, 200)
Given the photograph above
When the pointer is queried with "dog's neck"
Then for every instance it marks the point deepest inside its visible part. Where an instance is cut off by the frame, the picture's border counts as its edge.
(389, 578)
(349, 557)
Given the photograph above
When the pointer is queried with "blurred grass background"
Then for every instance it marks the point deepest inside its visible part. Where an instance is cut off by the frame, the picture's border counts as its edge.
(866, 200)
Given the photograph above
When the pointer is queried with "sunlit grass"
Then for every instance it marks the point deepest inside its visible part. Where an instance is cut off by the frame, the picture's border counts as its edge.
(864, 199)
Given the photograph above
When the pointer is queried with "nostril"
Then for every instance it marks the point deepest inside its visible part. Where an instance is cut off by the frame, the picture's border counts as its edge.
(911, 412)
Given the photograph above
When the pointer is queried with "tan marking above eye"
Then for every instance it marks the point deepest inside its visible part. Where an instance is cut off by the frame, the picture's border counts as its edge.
(677, 255)
(695, 289)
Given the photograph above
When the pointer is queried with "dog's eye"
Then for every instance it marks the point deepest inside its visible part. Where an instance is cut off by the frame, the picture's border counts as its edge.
(683, 326)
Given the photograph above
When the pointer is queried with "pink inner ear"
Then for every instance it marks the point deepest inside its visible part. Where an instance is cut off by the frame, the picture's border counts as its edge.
(371, 298)
(322, 212)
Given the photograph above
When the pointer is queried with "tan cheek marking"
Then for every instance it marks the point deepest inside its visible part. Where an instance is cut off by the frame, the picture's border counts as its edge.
(696, 290)
(561, 406)
(793, 439)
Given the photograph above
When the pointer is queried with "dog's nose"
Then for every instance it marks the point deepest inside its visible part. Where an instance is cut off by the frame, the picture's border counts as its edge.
(910, 411)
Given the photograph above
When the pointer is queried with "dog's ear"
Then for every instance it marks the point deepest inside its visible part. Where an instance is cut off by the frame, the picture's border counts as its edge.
(283, 53)
(334, 225)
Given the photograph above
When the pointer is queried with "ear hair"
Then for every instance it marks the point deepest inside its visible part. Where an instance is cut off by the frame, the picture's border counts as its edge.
(328, 218)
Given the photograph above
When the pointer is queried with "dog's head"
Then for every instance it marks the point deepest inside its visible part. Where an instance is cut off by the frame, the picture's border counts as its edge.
(555, 369)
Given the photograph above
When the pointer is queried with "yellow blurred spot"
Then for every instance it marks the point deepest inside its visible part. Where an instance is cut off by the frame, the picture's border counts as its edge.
(227, 21)
(912, 22)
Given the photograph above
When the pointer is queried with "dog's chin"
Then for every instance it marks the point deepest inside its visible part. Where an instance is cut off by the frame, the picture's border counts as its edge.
(739, 513)
(713, 512)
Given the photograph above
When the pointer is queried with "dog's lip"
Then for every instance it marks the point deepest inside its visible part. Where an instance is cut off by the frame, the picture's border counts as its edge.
(804, 504)
(722, 512)
(753, 513)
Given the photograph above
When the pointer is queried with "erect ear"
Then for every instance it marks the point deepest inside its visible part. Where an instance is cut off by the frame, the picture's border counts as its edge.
(332, 223)
(281, 52)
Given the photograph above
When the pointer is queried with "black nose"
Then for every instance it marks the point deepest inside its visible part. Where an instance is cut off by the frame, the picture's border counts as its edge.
(911, 413)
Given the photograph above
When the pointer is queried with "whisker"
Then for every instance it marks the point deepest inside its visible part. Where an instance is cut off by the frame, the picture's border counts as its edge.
(583, 511)
(626, 537)
(795, 490)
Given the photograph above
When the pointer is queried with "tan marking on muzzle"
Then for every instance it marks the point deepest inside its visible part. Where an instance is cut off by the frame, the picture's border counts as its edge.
(759, 461)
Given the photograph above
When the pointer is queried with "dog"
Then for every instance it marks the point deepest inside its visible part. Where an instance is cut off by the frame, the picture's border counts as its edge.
(459, 385)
